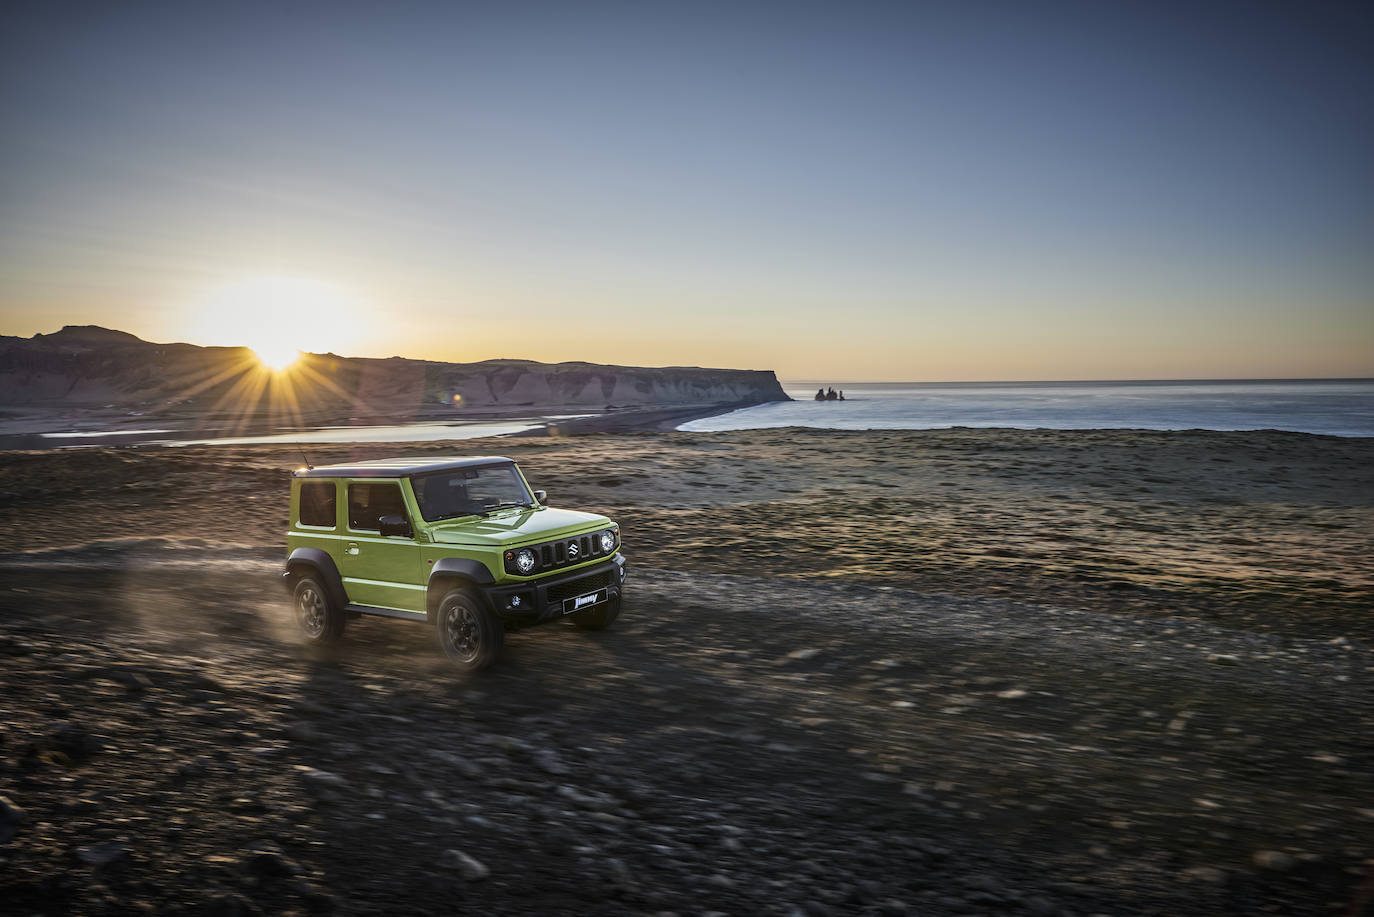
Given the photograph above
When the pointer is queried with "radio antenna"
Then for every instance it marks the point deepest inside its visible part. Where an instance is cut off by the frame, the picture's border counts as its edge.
(308, 466)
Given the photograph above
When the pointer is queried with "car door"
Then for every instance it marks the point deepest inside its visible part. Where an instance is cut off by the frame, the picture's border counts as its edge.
(383, 572)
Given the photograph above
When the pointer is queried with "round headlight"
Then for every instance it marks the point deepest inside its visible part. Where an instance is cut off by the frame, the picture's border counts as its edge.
(524, 561)
(607, 541)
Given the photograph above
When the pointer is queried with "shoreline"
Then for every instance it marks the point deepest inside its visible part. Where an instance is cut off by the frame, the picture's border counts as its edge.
(630, 421)
(170, 431)
(1340, 413)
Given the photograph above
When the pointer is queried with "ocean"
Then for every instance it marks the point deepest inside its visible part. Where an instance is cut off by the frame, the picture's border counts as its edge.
(1334, 407)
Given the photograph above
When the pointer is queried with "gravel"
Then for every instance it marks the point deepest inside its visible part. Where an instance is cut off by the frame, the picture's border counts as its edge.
(731, 745)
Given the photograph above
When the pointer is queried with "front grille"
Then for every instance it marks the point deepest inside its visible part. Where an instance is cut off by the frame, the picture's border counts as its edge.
(580, 586)
(553, 555)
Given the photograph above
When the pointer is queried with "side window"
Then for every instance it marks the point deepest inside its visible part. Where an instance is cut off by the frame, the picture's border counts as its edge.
(317, 503)
(369, 502)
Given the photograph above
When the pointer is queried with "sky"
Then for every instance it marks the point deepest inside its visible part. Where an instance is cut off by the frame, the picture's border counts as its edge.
(858, 191)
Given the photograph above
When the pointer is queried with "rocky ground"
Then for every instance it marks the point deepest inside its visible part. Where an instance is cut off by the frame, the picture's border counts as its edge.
(844, 736)
(737, 745)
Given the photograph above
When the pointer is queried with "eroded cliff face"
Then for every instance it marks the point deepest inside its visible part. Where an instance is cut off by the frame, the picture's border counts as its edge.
(98, 368)
(587, 385)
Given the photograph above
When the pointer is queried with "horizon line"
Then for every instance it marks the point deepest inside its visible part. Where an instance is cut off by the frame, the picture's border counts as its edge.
(1075, 381)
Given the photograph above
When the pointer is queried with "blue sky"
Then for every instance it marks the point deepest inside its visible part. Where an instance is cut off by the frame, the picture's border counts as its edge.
(856, 191)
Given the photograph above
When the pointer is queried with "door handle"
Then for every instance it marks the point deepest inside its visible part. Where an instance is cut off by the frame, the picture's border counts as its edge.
(351, 549)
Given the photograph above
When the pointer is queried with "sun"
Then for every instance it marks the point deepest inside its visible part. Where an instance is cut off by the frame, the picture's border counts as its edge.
(277, 317)
(276, 357)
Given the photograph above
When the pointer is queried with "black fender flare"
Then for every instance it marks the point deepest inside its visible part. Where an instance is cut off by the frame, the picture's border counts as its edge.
(319, 562)
(449, 571)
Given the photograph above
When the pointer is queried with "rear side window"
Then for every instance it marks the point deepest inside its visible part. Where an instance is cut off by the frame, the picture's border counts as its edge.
(369, 502)
(317, 503)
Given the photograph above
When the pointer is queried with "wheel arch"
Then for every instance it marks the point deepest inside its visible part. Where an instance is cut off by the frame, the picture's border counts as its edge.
(454, 573)
(318, 562)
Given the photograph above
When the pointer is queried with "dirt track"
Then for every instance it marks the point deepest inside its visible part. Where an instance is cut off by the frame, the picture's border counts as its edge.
(739, 745)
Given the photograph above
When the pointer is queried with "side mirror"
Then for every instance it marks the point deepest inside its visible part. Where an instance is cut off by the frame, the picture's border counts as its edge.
(395, 525)
(541, 496)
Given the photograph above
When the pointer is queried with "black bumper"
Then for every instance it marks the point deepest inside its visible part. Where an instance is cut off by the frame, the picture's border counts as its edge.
(550, 599)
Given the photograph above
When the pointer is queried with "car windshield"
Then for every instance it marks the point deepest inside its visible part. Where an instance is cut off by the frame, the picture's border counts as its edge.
(470, 491)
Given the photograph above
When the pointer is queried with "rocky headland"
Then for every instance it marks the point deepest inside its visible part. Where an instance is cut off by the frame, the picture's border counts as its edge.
(88, 373)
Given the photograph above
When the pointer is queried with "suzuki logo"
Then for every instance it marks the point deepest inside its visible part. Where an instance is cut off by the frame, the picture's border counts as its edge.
(573, 551)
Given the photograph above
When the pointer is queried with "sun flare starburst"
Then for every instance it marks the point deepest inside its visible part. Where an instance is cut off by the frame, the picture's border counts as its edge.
(278, 357)
(271, 363)
(277, 317)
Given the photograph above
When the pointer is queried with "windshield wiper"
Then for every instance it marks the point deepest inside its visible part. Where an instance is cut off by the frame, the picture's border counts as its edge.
(506, 505)
(466, 512)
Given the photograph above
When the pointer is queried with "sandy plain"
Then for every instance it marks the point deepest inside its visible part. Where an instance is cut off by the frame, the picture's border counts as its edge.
(1265, 530)
(928, 672)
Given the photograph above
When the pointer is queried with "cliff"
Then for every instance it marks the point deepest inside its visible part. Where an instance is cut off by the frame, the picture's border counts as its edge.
(96, 368)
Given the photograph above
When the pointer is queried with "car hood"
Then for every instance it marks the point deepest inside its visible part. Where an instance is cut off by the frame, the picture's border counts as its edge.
(518, 526)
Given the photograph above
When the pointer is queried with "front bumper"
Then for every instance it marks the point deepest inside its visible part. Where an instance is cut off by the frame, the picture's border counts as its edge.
(552, 598)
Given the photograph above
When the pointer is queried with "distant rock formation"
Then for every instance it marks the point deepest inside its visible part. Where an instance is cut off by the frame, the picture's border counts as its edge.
(93, 367)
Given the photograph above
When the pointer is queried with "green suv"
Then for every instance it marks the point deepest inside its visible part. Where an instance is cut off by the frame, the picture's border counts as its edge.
(461, 544)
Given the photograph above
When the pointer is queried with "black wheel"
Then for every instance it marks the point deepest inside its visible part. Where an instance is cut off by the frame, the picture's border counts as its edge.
(469, 634)
(320, 621)
(600, 617)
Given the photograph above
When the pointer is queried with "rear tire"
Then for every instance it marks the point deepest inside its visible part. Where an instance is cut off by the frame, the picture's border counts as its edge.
(469, 634)
(320, 620)
(600, 617)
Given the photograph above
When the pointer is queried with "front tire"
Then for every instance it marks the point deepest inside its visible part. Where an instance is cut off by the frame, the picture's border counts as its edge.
(469, 633)
(320, 621)
(600, 617)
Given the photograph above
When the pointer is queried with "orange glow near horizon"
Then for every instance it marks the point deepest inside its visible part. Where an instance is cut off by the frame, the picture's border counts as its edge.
(367, 315)
(277, 317)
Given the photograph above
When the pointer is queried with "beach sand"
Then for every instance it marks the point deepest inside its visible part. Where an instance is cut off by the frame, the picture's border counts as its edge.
(934, 672)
